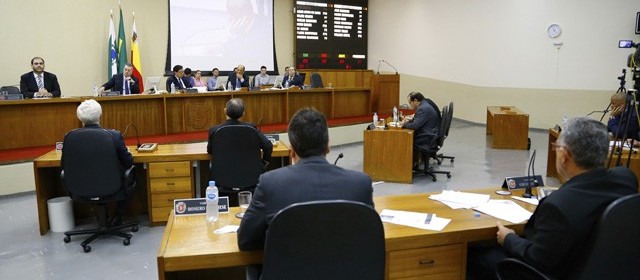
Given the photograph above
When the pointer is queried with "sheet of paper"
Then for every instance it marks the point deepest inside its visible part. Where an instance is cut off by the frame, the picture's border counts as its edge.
(505, 209)
(414, 219)
(226, 229)
(457, 200)
(532, 200)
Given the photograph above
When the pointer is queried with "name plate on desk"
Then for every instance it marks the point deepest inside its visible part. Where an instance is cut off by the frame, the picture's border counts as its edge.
(196, 206)
(521, 182)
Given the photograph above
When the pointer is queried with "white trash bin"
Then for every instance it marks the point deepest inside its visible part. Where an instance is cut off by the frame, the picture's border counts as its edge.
(61, 217)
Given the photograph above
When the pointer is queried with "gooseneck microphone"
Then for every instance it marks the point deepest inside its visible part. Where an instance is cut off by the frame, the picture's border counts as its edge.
(339, 157)
(394, 68)
(137, 136)
(532, 182)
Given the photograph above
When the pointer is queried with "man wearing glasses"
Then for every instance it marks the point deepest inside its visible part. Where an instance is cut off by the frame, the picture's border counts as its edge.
(38, 83)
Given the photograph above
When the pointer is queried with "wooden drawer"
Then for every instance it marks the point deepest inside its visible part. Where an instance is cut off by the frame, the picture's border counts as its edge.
(166, 199)
(170, 184)
(443, 261)
(169, 169)
(160, 214)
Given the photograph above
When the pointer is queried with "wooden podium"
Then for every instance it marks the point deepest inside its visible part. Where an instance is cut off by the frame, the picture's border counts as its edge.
(385, 92)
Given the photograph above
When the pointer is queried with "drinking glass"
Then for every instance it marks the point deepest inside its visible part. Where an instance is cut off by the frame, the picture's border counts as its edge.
(244, 199)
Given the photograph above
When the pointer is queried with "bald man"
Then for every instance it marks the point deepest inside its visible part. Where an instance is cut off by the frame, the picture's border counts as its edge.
(239, 79)
(620, 113)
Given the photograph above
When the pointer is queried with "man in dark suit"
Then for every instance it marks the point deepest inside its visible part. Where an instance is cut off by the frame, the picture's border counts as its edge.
(238, 78)
(39, 83)
(310, 177)
(292, 78)
(425, 122)
(176, 79)
(620, 114)
(559, 229)
(124, 82)
(89, 113)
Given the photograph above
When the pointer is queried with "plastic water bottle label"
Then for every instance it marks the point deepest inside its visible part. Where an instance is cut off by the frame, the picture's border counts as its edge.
(211, 196)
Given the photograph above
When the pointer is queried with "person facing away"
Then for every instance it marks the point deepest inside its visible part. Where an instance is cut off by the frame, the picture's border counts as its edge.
(559, 229)
(619, 117)
(238, 78)
(262, 78)
(425, 122)
(292, 78)
(211, 83)
(39, 83)
(89, 113)
(310, 177)
(124, 82)
(176, 79)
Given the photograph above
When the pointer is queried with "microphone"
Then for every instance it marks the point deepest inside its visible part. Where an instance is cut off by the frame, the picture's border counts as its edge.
(394, 68)
(604, 112)
(531, 171)
(339, 157)
(137, 136)
(379, 62)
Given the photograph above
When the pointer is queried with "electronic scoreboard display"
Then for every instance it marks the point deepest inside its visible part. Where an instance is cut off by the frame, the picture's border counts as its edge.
(331, 34)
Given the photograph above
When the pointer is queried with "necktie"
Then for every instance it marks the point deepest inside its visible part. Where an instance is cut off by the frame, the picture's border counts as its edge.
(126, 87)
(40, 83)
(181, 83)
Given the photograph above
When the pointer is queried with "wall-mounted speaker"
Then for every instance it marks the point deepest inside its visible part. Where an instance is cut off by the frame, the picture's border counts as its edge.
(638, 23)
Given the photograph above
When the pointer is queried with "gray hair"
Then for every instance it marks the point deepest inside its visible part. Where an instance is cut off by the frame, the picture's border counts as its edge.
(587, 140)
(89, 112)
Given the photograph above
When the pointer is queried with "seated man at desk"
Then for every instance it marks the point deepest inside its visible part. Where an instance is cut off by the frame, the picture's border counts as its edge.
(310, 177)
(292, 78)
(89, 113)
(124, 83)
(211, 83)
(425, 122)
(238, 79)
(619, 116)
(39, 83)
(558, 230)
(176, 79)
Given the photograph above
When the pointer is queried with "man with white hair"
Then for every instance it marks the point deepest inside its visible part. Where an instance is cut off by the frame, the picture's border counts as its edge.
(89, 113)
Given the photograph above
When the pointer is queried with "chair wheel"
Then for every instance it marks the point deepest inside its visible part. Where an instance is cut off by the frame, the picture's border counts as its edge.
(134, 228)
(67, 239)
(86, 249)
(448, 175)
(126, 242)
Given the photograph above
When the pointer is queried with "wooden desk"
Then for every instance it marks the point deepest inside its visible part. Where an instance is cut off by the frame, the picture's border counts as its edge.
(158, 114)
(189, 244)
(163, 175)
(509, 127)
(388, 155)
(634, 165)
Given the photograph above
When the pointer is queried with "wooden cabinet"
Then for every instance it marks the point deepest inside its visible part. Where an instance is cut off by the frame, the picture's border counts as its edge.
(167, 181)
(508, 126)
(441, 262)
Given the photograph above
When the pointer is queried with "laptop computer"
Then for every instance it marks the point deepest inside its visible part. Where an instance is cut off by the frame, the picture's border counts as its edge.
(277, 83)
(221, 83)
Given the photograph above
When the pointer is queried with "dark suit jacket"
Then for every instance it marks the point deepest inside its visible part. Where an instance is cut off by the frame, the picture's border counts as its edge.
(295, 81)
(126, 159)
(29, 86)
(558, 231)
(266, 146)
(617, 125)
(313, 178)
(425, 125)
(115, 84)
(244, 83)
(174, 80)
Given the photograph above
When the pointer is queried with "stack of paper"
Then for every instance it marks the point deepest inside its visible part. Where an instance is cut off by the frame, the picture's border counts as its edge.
(505, 209)
(458, 200)
(414, 219)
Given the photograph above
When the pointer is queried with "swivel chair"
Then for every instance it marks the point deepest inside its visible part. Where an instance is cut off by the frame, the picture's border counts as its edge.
(613, 250)
(333, 239)
(431, 152)
(316, 80)
(236, 163)
(92, 173)
(440, 157)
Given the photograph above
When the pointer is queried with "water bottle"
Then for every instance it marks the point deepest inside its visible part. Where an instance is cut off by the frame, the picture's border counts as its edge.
(95, 90)
(173, 88)
(375, 119)
(228, 85)
(286, 84)
(212, 202)
(395, 114)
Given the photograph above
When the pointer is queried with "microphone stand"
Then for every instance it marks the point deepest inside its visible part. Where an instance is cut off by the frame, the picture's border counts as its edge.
(137, 135)
(339, 157)
(390, 65)
(527, 192)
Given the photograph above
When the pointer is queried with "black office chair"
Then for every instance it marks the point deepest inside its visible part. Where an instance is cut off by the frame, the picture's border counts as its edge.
(431, 152)
(10, 89)
(316, 80)
(335, 239)
(236, 163)
(92, 173)
(440, 157)
(613, 250)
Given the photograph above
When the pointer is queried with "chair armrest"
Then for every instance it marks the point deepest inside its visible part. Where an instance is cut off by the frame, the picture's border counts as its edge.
(130, 179)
